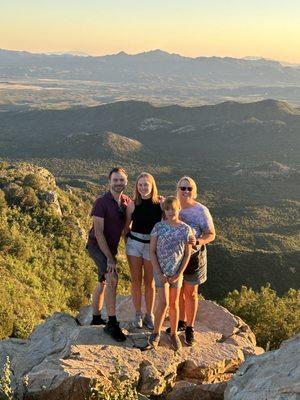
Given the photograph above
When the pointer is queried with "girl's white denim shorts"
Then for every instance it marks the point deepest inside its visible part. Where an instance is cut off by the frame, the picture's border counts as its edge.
(138, 249)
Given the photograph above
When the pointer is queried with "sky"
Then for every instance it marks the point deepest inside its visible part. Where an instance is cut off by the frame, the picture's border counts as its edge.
(235, 28)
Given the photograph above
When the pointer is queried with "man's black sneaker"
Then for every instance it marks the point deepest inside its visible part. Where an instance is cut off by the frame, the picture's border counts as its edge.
(98, 320)
(181, 327)
(189, 336)
(113, 329)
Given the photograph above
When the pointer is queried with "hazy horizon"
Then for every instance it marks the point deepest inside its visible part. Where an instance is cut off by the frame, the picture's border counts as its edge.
(84, 54)
(229, 28)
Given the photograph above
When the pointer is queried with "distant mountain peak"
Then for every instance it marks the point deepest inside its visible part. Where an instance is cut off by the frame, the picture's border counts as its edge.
(279, 105)
(122, 53)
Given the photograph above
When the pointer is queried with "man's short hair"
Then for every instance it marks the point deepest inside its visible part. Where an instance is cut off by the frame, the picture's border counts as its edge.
(117, 170)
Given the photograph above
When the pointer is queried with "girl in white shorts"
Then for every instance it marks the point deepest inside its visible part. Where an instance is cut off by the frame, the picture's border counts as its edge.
(141, 215)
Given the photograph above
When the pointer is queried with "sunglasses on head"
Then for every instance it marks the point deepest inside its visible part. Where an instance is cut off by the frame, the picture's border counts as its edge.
(184, 188)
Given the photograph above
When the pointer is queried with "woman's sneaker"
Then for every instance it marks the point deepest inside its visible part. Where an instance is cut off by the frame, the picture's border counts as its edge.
(154, 340)
(181, 327)
(113, 329)
(189, 336)
(138, 321)
(148, 321)
(176, 343)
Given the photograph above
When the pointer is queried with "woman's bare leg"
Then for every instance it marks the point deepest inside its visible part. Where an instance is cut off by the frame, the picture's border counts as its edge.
(182, 311)
(191, 302)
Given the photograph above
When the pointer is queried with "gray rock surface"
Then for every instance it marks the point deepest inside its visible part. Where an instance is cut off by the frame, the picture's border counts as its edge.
(186, 391)
(274, 375)
(61, 357)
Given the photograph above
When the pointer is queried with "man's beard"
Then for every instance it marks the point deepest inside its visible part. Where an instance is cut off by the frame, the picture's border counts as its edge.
(118, 189)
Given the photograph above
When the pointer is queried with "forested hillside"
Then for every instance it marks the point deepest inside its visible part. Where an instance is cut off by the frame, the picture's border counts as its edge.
(43, 262)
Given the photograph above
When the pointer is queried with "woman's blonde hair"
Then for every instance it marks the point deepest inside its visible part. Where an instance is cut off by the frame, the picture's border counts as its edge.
(154, 192)
(171, 201)
(191, 182)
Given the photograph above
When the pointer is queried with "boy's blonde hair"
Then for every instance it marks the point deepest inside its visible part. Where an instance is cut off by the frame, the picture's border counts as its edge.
(154, 192)
(191, 182)
(171, 201)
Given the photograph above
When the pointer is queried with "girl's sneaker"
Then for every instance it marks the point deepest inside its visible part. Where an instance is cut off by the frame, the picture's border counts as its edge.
(176, 343)
(138, 321)
(154, 340)
(148, 321)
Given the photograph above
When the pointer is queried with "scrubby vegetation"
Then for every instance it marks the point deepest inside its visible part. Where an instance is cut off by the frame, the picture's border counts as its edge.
(272, 318)
(121, 388)
(6, 392)
(43, 263)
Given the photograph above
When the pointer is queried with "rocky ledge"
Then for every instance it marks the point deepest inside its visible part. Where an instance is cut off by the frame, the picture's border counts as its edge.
(61, 357)
(274, 375)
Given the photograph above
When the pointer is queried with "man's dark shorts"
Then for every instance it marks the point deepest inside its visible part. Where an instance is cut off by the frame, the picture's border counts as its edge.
(99, 259)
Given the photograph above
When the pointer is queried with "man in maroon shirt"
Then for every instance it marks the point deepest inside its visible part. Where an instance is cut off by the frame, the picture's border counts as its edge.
(108, 214)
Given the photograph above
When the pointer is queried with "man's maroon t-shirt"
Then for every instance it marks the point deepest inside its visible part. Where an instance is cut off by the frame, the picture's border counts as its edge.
(114, 219)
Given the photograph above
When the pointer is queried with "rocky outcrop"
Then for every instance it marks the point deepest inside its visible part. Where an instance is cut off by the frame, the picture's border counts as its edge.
(28, 185)
(271, 170)
(61, 357)
(274, 375)
(186, 391)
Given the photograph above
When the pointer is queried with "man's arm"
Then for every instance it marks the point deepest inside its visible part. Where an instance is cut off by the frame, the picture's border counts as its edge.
(102, 243)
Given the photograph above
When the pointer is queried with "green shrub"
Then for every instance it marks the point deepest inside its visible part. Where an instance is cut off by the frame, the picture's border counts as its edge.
(3, 204)
(35, 181)
(119, 388)
(6, 392)
(272, 318)
(30, 199)
(14, 194)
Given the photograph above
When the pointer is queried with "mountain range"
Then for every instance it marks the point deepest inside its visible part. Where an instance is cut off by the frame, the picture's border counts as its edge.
(261, 131)
(30, 80)
(142, 67)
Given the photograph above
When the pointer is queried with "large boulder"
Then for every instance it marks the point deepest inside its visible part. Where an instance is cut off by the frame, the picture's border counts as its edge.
(274, 375)
(64, 354)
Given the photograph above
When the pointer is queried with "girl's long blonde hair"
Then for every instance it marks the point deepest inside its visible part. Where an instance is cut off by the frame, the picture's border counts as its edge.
(154, 192)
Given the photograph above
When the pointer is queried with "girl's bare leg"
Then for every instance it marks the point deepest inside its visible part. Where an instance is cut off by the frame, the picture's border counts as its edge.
(135, 265)
(174, 309)
(162, 305)
(149, 286)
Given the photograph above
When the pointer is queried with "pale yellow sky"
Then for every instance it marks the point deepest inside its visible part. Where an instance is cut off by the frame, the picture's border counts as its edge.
(191, 27)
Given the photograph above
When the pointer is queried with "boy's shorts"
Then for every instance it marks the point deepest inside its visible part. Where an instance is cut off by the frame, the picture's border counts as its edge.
(158, 284)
